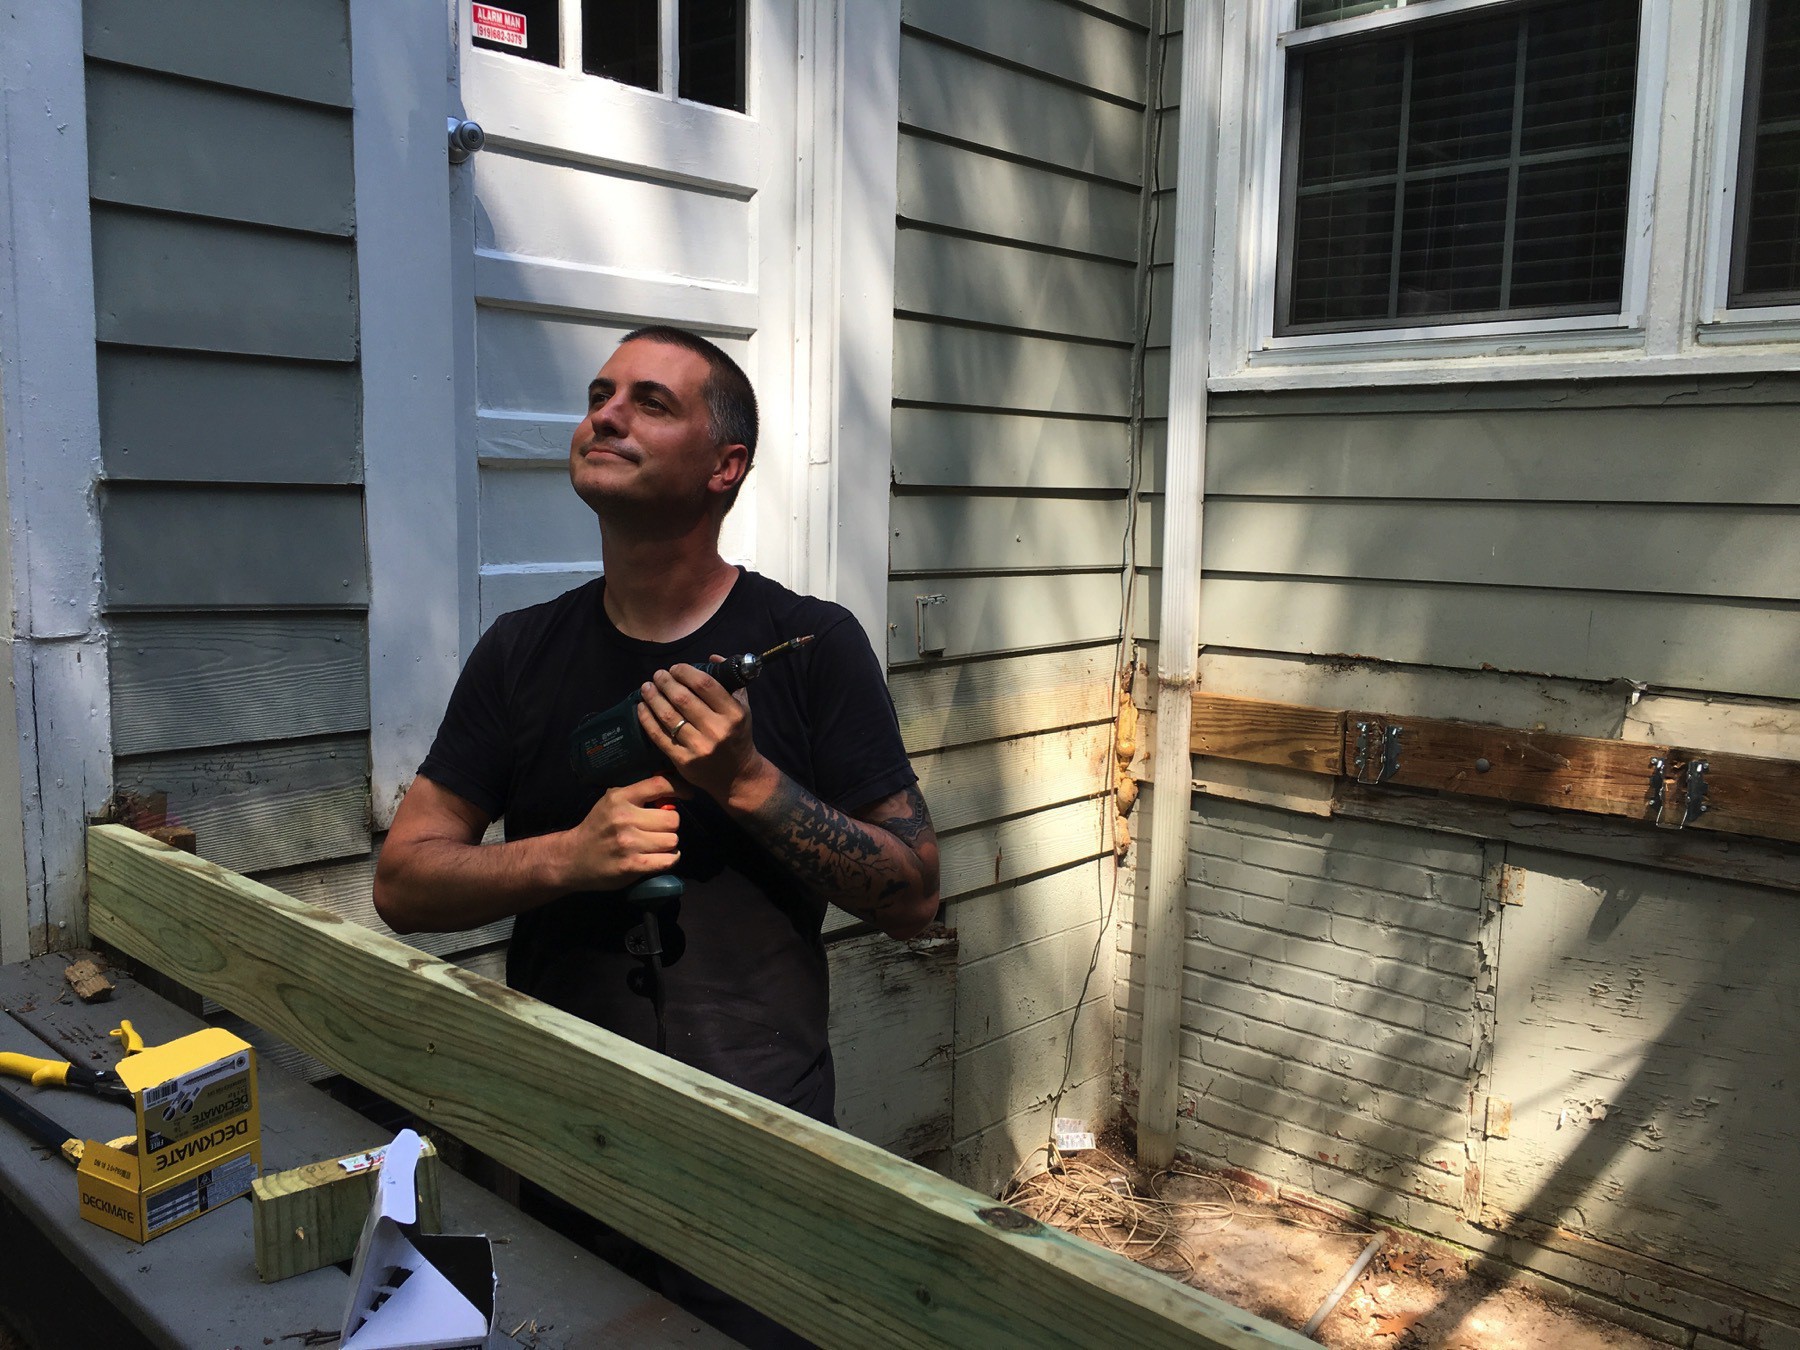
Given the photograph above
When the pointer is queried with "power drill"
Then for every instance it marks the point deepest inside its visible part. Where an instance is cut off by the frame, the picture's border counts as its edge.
(610, 750)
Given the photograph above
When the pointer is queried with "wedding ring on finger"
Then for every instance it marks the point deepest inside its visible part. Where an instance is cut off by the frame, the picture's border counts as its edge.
(675, 731)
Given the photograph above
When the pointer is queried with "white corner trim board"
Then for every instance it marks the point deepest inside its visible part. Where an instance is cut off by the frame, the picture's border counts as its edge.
(49, 410)
(854, 199)
(1178, 652)
(413, 474)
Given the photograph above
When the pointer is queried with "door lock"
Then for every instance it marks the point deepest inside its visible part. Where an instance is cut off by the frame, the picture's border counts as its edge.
(465, 139)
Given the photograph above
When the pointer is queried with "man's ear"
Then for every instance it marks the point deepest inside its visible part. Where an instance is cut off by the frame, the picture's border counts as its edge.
(731, 468)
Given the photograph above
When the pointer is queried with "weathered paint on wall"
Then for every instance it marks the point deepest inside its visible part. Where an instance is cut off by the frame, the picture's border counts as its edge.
(1330, 1025)
(225, 296)
(1016, 270)
(52, 452)
(1645, 1040)
(1603, 556)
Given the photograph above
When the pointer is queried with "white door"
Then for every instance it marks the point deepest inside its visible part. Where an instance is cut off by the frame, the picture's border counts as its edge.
(639, 168)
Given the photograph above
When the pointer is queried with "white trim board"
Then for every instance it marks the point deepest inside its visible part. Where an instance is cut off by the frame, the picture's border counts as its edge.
(847, 283)
(50, 394)
(412, 467)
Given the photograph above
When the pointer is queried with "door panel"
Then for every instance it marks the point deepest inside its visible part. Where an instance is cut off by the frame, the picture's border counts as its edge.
(597, 207)
(581, 214)
(1646, 1037)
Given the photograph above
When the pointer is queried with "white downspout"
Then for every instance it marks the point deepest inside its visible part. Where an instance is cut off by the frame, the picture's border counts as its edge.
(1184, 489)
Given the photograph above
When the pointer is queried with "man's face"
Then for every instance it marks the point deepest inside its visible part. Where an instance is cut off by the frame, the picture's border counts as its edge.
(647, 439)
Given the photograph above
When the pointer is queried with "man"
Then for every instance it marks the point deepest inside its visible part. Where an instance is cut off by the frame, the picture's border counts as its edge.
(794, 794)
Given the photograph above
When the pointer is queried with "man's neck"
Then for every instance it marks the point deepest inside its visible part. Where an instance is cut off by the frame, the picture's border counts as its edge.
(658, 590)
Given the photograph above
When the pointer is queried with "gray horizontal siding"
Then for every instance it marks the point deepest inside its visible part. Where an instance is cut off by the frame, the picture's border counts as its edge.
(254, 547)
(958, 448)
(1657, 548)
(1056, 41)
(1620, 537)
(175, 281)
(980, 368)
(1015, 290)
(155, 141)
(958, 96)
(964, 188)
(199, 417)
(183, 681)
(235, 571)
(300, 48)
(1648, 453)
(976, 281)
(1678, 642)
(965, 532)
(985, 615)
(254, 807)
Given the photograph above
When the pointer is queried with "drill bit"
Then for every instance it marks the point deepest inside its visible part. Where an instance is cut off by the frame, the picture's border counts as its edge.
(793, 644)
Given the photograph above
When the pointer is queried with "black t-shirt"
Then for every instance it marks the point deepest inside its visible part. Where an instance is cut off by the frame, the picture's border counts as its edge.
(747, 1000)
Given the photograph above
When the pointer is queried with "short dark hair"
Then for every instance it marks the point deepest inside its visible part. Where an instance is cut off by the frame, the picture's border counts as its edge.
(730, 399)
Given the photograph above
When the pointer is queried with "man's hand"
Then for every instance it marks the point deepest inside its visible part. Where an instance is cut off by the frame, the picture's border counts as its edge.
(703, 729)
(622, 840)
(435, 875)
(880, 865)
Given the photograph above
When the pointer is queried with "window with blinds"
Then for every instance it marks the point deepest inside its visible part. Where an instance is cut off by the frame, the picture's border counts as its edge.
(1465, 168)
(1314, 12)
(1765, 253)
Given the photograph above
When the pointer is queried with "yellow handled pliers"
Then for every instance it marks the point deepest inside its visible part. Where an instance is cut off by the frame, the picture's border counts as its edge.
(61, 1073)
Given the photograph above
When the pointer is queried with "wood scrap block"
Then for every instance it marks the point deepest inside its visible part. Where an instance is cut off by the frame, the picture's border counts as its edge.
(312, 1216)
(176, 836)
(87, 980)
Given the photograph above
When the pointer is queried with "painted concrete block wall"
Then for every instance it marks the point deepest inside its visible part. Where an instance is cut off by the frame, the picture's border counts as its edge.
(1020, 159)
(235, 574)
(1579, 1065)
(1332, 1020)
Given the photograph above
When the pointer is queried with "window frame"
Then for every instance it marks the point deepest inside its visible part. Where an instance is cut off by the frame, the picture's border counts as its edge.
(1274, 35)
(1719, 322)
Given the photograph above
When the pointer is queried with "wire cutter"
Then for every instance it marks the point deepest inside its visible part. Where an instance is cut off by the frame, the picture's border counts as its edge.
(61, 1073)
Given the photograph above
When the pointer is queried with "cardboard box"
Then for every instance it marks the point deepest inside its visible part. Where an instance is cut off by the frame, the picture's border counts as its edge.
(198, 1141)
(412, 1290)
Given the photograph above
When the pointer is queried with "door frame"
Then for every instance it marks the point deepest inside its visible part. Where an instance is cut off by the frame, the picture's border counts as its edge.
(419, 484)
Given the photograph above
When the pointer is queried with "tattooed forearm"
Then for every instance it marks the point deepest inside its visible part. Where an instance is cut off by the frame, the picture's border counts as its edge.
(906, 819)
(883, 869)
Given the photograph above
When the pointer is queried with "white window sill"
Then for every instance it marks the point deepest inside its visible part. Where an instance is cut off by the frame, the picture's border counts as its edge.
(1266, 371)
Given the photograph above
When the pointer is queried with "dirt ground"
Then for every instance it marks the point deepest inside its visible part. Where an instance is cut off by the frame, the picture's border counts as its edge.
(1281, 1260)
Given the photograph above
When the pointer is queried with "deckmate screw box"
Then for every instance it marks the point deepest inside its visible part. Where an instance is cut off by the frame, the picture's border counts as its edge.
(199, 1137)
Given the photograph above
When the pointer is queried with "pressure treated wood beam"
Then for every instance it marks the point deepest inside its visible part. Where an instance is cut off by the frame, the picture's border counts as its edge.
(1286, 735)
(1635, 780)
(845, 1243)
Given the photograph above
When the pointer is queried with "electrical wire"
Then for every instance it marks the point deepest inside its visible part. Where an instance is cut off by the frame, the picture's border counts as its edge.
(1150, 221)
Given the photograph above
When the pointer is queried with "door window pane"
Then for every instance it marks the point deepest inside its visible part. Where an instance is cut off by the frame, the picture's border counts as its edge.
(712, 52)
(621, 40)
(1469, 167)
(495, 28)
